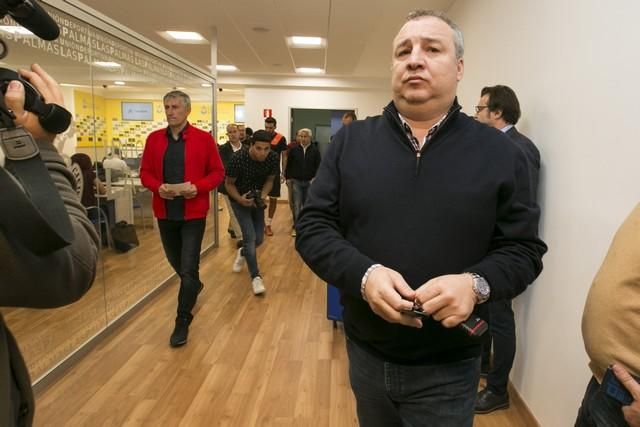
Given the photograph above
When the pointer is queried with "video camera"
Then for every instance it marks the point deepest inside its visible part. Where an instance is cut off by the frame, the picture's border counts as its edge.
(53, 118)
(26, 220)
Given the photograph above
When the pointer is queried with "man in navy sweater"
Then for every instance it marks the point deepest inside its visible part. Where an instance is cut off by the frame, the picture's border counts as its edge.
(465, 231)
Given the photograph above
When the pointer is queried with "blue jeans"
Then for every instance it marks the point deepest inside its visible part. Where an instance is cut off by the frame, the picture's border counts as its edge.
(251, 222)
(300, 191)
(390, 395)
(182, 241)
(598, 409)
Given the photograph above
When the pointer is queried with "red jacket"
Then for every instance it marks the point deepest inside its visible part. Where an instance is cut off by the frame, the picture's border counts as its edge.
(202, 167)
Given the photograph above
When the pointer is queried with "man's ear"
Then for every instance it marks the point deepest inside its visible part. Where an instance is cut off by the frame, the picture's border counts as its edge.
(497, 114)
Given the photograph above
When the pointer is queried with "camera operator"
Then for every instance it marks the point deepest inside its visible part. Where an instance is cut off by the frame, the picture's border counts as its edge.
(249, 177)
(42, 280)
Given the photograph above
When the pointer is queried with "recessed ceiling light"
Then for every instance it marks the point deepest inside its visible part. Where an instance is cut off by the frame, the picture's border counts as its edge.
(309, 70)
(205, 84)
(189, 37)
(119, 83)
(306, 42)
(12, 29)
(107, 64)
(221, 67)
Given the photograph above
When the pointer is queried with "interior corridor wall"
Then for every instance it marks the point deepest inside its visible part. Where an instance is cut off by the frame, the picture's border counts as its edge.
(574, 65)
(280, 101)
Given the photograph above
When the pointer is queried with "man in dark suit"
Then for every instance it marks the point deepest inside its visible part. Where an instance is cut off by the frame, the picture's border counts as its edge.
(499, 108)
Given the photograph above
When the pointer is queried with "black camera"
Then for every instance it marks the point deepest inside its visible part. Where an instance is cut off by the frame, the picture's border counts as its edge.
(52, 117)
(256, 195)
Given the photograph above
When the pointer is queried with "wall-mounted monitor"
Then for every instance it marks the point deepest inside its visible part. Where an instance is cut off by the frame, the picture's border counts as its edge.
(238, 113)
(137, 111)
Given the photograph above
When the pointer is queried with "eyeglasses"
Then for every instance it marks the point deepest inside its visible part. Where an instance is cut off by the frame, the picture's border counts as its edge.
(480, 108)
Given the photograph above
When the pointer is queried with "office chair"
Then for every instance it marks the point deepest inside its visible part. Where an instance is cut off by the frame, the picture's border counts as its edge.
(100, 217)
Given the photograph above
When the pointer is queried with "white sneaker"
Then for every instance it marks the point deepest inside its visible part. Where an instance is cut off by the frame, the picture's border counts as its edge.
(238, 262)
(258, 285)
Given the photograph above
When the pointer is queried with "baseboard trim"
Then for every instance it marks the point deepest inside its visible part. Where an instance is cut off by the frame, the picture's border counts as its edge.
(527, 415)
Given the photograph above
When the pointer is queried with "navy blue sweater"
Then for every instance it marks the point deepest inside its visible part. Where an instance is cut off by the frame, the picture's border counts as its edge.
(463, 204)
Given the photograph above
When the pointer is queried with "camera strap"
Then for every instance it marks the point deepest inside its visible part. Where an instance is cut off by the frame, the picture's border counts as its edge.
(35, 214)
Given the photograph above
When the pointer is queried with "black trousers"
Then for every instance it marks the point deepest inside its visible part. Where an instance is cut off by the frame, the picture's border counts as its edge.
(502, 334)
(182, 241)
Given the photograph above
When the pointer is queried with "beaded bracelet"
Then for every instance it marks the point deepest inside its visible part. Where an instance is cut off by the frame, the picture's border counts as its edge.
(364, 279)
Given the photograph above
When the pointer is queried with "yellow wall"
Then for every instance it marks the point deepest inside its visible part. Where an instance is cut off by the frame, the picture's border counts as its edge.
(130, 135)
(88, 106)
(226, 115)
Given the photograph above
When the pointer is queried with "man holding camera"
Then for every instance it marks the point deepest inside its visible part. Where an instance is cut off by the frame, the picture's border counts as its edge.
(249, 178)
(50, 278)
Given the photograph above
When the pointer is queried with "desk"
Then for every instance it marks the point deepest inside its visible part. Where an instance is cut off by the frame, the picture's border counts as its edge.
(122, 198)
(124, 191)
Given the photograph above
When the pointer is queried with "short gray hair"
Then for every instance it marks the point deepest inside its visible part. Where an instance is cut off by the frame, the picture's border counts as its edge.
(458, 40)
(178, 94)
(307, 131)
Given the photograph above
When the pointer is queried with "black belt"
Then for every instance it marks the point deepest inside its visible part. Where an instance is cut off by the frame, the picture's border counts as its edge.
(36, 217)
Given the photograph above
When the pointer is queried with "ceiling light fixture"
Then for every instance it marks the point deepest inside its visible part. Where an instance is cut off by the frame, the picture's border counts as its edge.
(306, 42)
(205, 84)
(309, 70)
(119, 83)
(221, 67)
(107, 64)
(12, 29)
(188, 37)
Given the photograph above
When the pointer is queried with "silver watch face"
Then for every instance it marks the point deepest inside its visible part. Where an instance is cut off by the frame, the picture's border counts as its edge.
(481, 287)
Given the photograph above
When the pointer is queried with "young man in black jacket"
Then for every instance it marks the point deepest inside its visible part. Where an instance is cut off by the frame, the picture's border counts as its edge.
(302, 164)
(465, 231)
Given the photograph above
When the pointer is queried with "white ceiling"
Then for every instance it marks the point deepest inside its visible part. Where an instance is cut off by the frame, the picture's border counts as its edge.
(358, 32)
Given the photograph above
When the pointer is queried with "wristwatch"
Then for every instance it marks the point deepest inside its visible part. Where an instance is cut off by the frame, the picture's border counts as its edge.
(480, 287)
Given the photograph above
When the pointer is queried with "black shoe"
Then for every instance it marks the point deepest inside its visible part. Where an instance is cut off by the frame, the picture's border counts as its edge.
(231, 233)
(489, 401)
(180, 333)
(239, 244)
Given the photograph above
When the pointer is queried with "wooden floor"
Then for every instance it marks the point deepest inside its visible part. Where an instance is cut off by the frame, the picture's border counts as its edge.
(250, 361)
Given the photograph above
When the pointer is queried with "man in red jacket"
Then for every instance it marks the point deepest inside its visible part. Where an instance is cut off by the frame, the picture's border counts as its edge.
(181, 166)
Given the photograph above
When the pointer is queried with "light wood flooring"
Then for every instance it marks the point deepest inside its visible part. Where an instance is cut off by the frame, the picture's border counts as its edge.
(48, 336)
(250, 361)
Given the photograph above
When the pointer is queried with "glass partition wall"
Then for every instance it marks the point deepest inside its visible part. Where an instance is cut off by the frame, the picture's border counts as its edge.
(114, 90)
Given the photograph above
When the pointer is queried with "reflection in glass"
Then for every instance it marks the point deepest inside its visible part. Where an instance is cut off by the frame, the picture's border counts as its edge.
(114, 91)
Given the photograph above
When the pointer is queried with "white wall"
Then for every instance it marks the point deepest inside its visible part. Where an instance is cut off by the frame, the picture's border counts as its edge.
(280, 100)
(574, 67)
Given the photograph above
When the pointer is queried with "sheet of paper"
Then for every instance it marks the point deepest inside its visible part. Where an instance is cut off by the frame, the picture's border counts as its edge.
(177, 188)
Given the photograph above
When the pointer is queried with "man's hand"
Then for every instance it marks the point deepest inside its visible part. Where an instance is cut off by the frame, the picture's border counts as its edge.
(190, 193)
(631, 412)
(14, 99)
(246, 201)
(448, 299)
(165, 193)
(389, 296)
